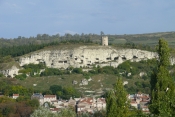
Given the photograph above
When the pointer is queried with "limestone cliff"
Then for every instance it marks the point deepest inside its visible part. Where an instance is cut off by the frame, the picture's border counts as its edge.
(86, 56)
(10, 69)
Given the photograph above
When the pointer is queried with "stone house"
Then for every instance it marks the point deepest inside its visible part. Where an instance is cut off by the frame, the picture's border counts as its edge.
(85, 104)
(42, 99)
(90, 105)
(140, 101)
(100, 104)
(15, 96)
(50, 98)
(39, 97)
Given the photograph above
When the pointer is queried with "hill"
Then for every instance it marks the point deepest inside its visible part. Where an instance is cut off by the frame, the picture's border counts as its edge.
(147, 39)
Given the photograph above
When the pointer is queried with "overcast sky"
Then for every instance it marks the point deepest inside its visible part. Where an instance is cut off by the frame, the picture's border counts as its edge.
(31, 17)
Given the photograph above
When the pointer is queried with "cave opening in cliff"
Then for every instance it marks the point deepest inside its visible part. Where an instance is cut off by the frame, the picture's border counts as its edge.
(123, 58)
(116, 58)
(109, 58)
(135, 57)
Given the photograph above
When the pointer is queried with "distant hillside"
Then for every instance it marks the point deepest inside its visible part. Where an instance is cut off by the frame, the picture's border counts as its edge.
(150, 39)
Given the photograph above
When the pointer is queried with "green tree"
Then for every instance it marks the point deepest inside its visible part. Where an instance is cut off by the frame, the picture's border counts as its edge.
(66, 113)
(162, 85)
(33, 103)
(101, 33)
(42, 112)
(117, 102)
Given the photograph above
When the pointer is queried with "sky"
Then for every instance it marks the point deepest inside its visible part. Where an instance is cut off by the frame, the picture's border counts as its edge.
(31, 17)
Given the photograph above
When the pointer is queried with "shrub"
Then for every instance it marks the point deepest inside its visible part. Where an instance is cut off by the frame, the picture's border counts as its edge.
(21, 76)
(1, 75)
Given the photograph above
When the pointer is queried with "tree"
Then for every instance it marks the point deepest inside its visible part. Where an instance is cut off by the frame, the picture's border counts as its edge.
(162, 85)
(101, 33)
(42, 112)
(66, 113)
(117, 103)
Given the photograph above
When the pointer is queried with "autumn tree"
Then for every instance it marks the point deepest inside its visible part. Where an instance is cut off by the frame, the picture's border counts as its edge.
(162, 85)
(117, 102)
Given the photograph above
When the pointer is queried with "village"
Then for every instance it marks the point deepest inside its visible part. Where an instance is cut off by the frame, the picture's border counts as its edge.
(87, 104)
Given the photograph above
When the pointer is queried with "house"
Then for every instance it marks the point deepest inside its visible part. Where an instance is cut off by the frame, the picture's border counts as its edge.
(140, 101)
(134, 104)
(15, 96)
(85, 104)
(54, 110)
(72, 103)
(50, 98)
(39, 97)
(145, 109)
(100, 103)
(90, 105)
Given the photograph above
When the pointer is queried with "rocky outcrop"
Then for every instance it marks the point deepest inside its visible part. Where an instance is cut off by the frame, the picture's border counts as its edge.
(11, 72)
(86, 56)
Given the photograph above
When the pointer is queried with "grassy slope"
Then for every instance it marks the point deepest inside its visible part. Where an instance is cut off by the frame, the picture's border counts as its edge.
(107, 80)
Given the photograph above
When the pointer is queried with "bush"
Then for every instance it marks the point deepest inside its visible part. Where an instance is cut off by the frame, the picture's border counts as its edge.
(51, 72)
(125, 66)
(21, 76)
(33, 103)
(77, 70)
(1, 75)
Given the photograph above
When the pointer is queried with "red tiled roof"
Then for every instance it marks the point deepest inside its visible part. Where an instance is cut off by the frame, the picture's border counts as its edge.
(144, 101)
(133, 102)
(145, 97)
(87, 100)
(145, 107)
(102, 100)
(49, 96)
(15, 94)
(54, 109)
(54, 101)
(80, 106)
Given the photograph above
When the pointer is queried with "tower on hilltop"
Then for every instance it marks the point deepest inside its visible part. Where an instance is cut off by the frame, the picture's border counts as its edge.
(104, 40)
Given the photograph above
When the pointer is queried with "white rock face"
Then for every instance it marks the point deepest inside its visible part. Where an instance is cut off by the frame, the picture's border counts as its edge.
(125, 82)
(83, 82)
(86, 57)
(10, 72)
(142, 74)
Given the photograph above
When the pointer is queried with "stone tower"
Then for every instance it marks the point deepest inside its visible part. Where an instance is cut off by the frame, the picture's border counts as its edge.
(104, 40)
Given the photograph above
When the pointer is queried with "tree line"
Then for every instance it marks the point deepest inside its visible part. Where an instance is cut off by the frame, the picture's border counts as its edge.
(20, 50)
